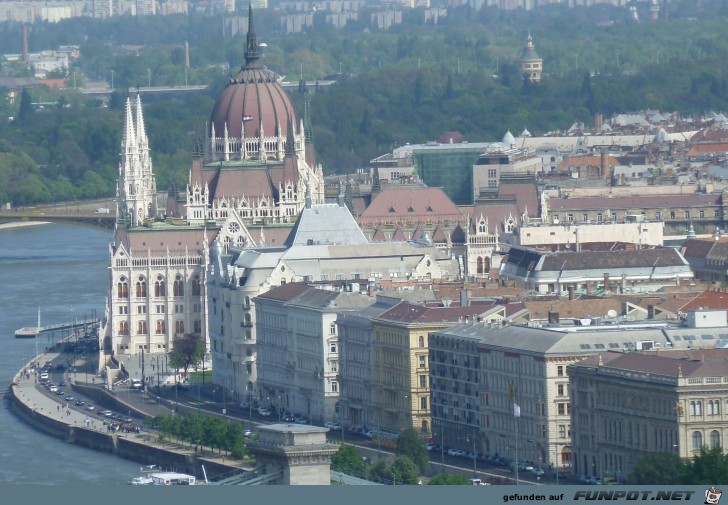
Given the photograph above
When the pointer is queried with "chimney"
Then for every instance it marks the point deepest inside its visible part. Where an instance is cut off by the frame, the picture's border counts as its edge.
(26, 56)
(464, 298)
(598, 122)
(604, 166)
(187, 54)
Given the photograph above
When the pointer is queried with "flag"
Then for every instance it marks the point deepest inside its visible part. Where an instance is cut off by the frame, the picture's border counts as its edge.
(516, 410)
(247, 118)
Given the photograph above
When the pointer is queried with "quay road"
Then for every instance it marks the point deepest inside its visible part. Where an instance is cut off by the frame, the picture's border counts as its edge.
(206, 400)
(28, 389)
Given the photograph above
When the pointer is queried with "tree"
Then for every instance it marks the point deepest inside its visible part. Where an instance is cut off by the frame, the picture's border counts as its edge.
(186, 351)
(709, 467)
(409, 444)
(26, 106)
(448, 479)
(657, 468)
(379, 472)
(348, 460)
(404, 471)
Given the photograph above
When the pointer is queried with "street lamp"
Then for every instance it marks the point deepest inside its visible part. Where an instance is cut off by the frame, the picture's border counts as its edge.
(475, 464)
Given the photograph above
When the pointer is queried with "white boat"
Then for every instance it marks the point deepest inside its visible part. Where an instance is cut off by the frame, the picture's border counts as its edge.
(153, 477)
(29, 331)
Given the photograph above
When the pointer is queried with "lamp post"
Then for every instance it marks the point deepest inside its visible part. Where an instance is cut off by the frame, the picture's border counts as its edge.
(475, 464)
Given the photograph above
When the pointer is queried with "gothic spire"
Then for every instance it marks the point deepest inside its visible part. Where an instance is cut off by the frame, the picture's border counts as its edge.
(140, 130)
(290, 140)
(252, 53)
(129, 137)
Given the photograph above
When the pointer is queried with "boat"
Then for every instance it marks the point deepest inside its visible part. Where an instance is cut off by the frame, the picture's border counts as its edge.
(29, 331)
(153, 477)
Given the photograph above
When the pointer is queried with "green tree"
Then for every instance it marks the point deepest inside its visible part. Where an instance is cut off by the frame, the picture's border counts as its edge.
(657, 468)
(186, 351)
(404, 471)
(379, 472)
(409, 444)
(709, 467)
(448, 479)
(26, 106)
(348, 460)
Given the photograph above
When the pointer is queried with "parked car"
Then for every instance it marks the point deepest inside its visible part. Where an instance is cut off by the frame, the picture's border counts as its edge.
(301, 420)
(332, 426)
(263, 411)
(538, 471)
(429, 447)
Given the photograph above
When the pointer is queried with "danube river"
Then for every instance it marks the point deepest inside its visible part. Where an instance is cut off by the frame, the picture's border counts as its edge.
(62, 269)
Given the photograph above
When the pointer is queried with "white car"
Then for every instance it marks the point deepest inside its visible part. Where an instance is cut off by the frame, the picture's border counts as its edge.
(54, 389)
(263, 411)
(332, 426)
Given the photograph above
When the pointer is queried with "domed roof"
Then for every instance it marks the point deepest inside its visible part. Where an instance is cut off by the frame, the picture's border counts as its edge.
(508, 138)
(529, 52)
(252, 97)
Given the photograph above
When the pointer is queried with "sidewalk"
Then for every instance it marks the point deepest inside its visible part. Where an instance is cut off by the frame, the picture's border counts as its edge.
(27, 390)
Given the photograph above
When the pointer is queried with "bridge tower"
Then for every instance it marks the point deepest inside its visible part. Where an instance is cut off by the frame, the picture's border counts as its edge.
(300, 451)
(137, 191)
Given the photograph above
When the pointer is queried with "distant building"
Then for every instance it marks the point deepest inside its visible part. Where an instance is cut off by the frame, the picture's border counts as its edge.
(628, 405)
(592, 271)
(531, 62)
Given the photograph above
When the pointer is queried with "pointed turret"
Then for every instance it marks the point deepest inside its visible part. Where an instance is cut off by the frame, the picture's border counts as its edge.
(252, 50)
(129, 140)
(141, 133)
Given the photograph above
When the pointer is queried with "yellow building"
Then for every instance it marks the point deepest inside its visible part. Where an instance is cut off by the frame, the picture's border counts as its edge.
(401, 382)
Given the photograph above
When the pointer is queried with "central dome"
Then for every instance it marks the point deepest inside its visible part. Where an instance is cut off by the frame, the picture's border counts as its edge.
(253, 100)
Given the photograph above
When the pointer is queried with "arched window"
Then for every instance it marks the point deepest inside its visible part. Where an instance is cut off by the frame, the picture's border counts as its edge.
(332, 329)
(141, 288)
(142, 328)
(697, 440)
(714, 439)
(195, 285)
(480, 265)
(422, 341)
(159, 287)
(122, 288)
(698, 408)
(248, 320)
(179, 286)
(425, 427)
(179, 326)
(161, 328)
(123, 328)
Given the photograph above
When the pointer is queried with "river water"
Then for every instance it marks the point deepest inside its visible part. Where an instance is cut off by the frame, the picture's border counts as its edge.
(62, 269)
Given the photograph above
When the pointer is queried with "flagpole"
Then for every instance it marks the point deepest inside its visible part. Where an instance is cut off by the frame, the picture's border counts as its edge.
(518, 462)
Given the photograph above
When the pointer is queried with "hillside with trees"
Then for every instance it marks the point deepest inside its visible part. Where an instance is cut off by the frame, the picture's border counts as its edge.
(408, 84)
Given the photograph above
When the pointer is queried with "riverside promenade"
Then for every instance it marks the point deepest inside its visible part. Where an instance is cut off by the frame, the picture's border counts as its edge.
(53, 415)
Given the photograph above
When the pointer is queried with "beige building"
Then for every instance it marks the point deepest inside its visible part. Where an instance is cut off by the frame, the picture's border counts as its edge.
(628, 405)
(531, 62)
(401, 390)
(524, 366)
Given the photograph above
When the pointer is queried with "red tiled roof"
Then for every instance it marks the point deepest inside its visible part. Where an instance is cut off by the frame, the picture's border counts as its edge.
(634, 202)
(526, 196)
(416, 204)
(141, 241)
(596, 307)
(417, 314)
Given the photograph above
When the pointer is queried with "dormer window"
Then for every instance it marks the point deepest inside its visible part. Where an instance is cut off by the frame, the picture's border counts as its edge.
(391, 209)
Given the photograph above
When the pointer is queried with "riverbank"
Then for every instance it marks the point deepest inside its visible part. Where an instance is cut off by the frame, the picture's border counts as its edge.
(48, 415)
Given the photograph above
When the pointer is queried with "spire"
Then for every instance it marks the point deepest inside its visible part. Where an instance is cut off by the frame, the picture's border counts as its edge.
(129, 137)
(252, 53)
(140, 130)
(290, 140)
(341, 198)
(308, 196)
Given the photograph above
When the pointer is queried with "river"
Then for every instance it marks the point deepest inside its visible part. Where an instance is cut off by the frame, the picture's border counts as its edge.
(63, 269)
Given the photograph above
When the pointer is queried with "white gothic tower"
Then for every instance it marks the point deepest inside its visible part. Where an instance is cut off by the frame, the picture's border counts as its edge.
(137, 189)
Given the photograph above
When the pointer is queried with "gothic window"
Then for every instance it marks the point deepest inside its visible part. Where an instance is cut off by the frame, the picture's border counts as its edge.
(179, 326)
(122, 288)
(142, 328)
(179, 286)
(233, 228)
(241, 241)
(198, 326)
(481, 227)
(141, 288)
(159, 287)
(479, 268)
(422, 341)
(123, 328)
(161, 328)
(196, 285)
